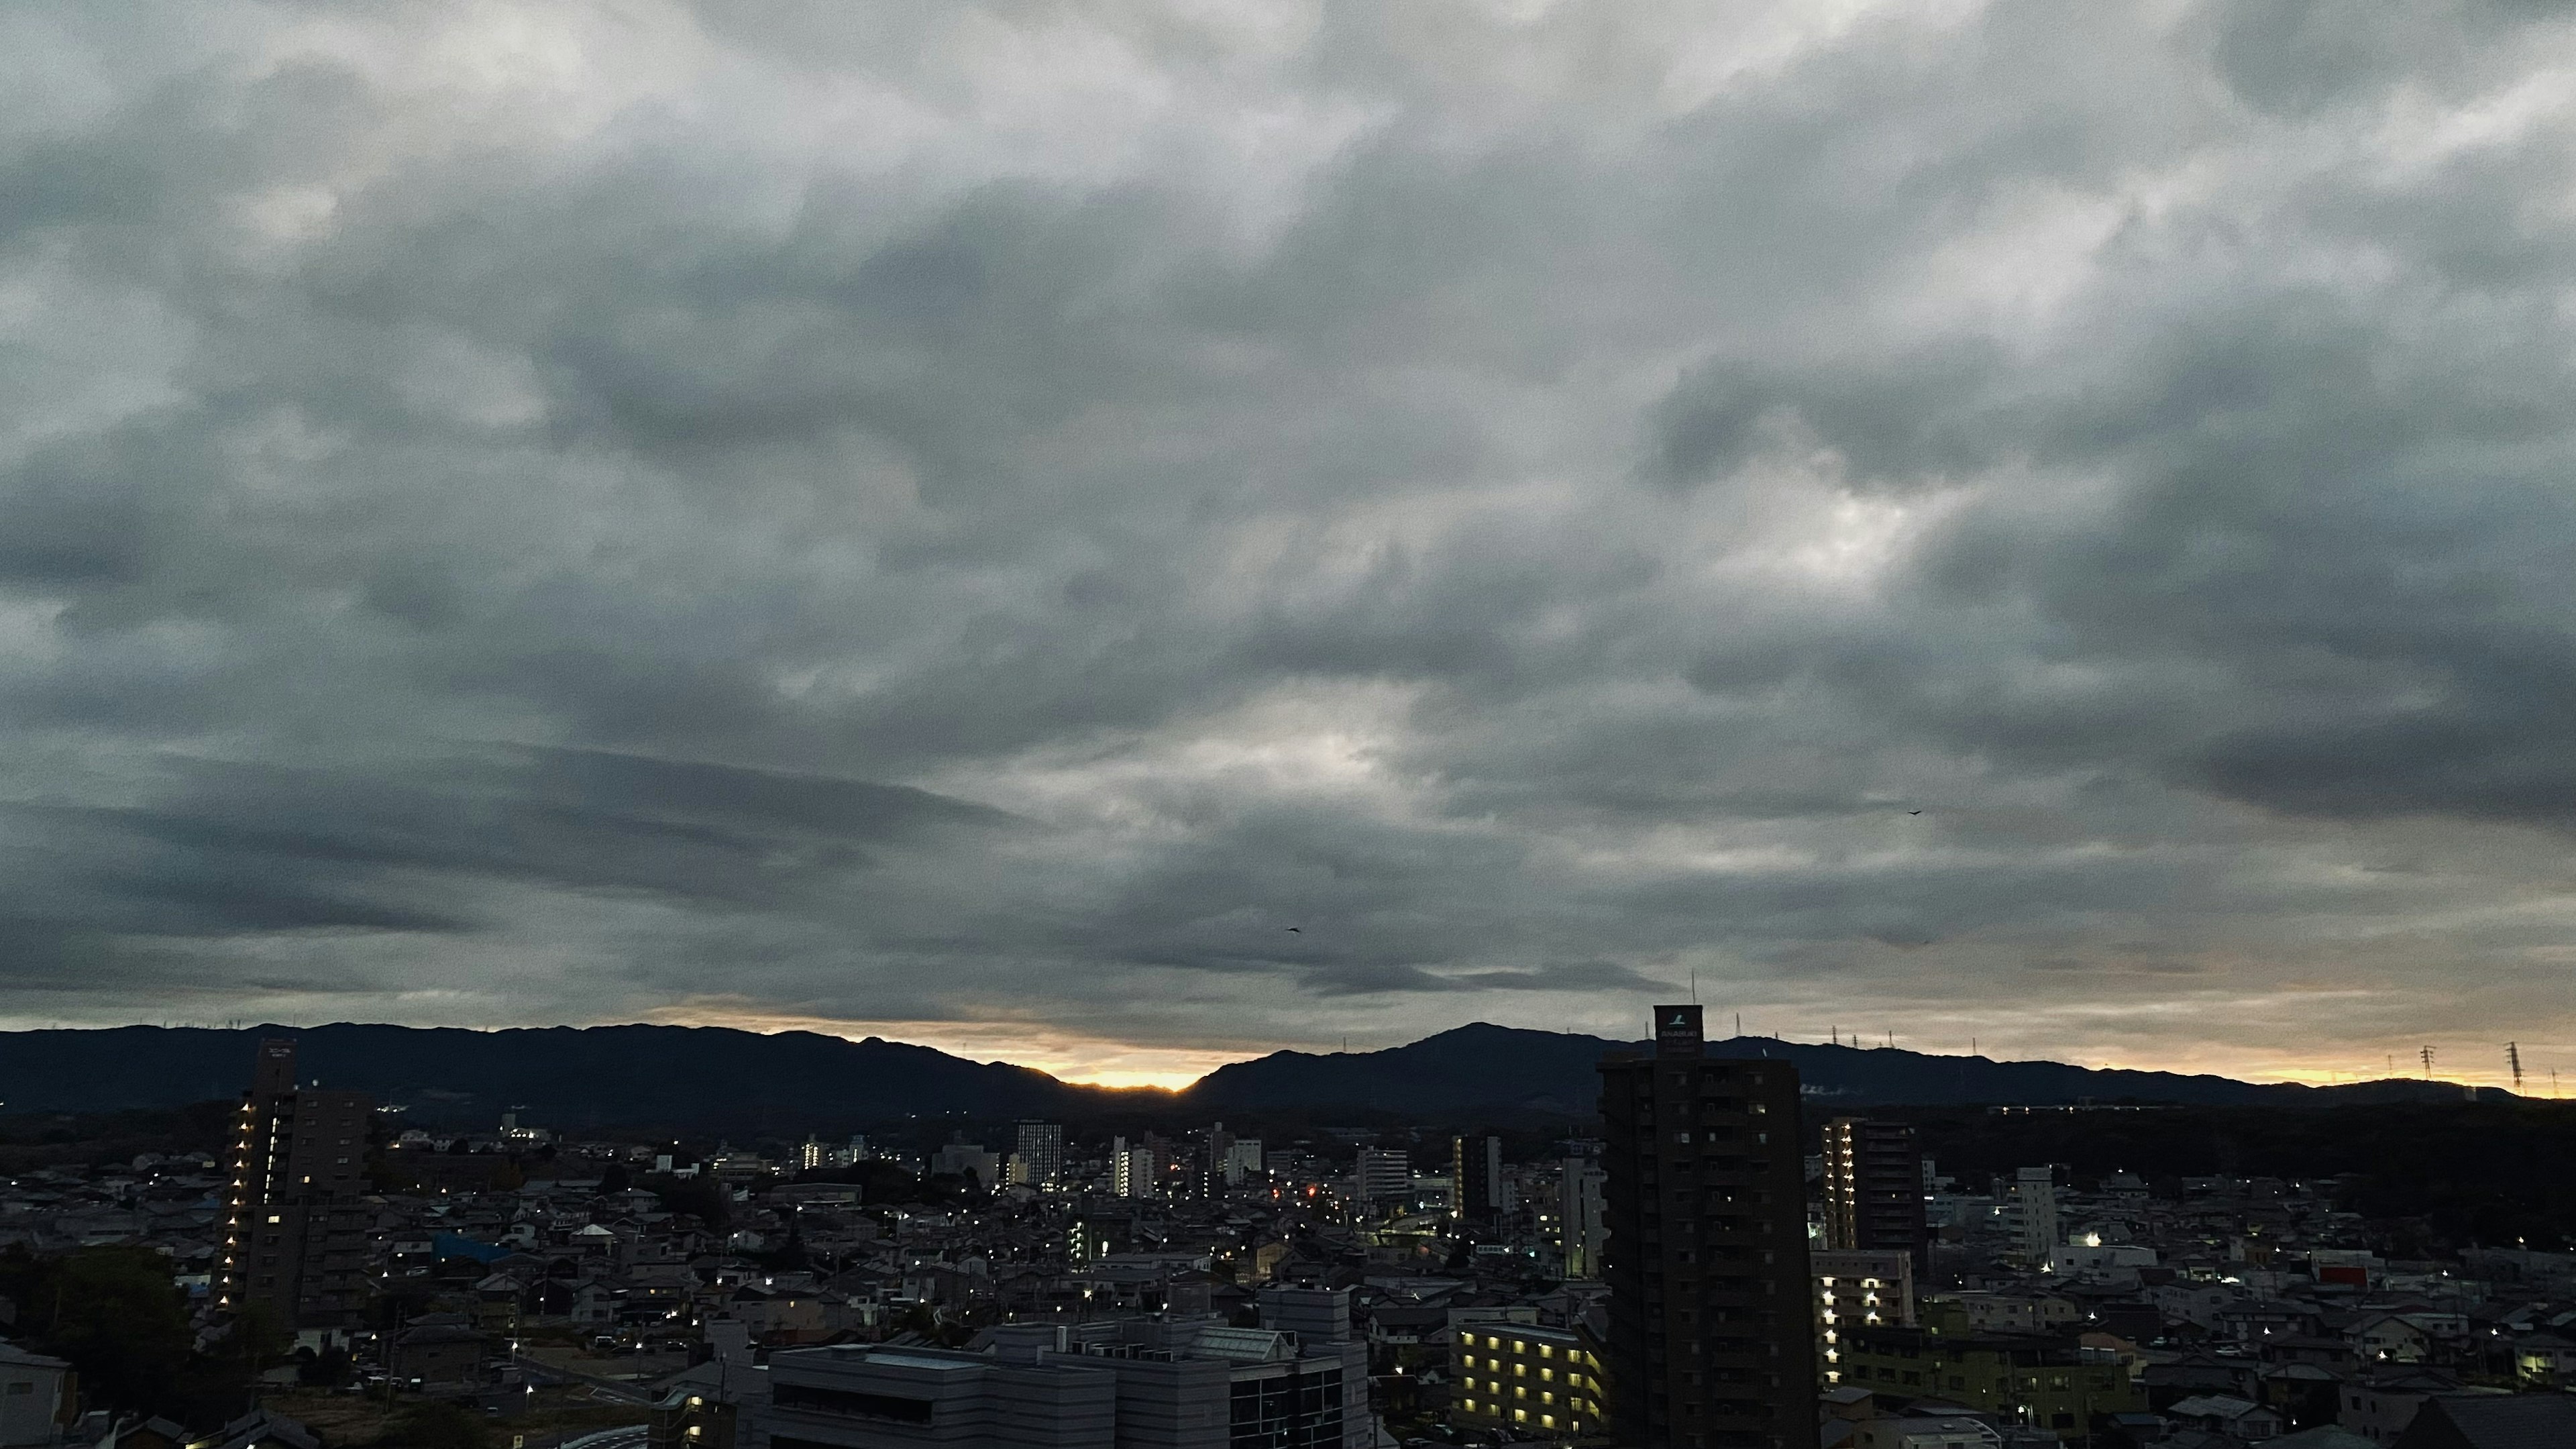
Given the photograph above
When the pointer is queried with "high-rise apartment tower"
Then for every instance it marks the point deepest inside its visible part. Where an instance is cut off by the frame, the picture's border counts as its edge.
(1580, 1226)
(1040, 1149)
(1873, 1187)
(1477, 1192)
(1711, 1335)
(295, 1232)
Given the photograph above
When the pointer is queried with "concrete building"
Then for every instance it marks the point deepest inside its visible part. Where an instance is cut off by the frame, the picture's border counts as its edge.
(965, 1159)
(1040, 1148)
(295, 1231)
(1857, 1289)
(2046, 1382)
(1315, 1315)
(1581, 1228)
(35, 1397)
(1242, 1161)
(1534, 1382)
(1929, 1431)
(1478, 1193)
(1132, 1170)
(1382, 1173)
(1118, 1384)
(864, 1397)
(1711, 1336)
(2033, 1212)
(1873, 1187)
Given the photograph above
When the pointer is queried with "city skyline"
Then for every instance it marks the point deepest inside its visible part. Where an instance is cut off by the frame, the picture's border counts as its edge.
(1119, 538)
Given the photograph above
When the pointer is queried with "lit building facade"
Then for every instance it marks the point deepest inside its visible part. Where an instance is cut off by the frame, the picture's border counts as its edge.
(1857, 1289)
(1532, 1381)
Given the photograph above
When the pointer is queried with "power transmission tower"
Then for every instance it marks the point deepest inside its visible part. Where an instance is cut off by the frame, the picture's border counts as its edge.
(2513, 1059)
(2427, 1055)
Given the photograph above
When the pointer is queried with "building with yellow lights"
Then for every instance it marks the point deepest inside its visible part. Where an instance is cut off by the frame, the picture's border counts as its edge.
(295, 1230)
(1543, 1382)
(1857, 1289)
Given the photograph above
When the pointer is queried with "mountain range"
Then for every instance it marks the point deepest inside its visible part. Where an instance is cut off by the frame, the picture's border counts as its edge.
(714, 1077)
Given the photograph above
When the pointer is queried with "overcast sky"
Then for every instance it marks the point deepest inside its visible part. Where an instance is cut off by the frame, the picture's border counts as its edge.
(2050, 523)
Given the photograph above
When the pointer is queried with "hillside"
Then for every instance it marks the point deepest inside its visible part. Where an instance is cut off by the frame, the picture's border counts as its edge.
(1486, 1067)
(718, 1079)
(565, 1077)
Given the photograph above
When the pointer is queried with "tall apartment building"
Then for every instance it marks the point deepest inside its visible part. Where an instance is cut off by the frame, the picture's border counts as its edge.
(1382, 1172)
(295, 1232)
(1132, 1170)
(1581, 1226)
(1873, 1187)
(1040, 1149)
(2033, 1212)
(1477, 1191)
(1711, 1337)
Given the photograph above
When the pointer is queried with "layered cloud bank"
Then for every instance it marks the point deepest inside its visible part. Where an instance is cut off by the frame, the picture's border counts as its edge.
(2050, 525)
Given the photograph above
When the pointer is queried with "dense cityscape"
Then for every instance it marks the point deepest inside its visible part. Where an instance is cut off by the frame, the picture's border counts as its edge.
(1715, 1263)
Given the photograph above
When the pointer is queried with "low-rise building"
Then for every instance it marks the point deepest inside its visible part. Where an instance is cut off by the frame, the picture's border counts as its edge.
(36, 1397)
(1531, 1381)
(1857, 1288)
(2046, 1381)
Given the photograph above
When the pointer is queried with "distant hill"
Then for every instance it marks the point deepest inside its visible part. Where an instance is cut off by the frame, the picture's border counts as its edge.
(718, 1079)
(565, 1077)
(1485, 1067)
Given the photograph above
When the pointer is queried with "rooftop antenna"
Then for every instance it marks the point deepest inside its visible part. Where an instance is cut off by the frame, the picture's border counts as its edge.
(2513, 1059)
(1694, 984)
(2427, 1055)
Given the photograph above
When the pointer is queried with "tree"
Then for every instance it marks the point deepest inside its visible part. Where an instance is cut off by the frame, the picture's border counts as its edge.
(616, 1178)
(703, 1196)
(114, 1313)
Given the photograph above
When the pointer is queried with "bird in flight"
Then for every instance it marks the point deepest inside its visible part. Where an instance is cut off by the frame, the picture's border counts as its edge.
(1297, 930)
(1913, 812)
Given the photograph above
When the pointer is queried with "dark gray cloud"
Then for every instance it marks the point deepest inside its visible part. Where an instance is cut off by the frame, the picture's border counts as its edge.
(989, 515)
